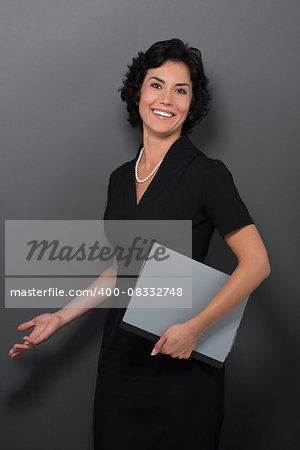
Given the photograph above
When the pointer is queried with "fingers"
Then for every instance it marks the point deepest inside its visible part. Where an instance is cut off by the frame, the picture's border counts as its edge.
(26, 341)
(26, 325)
(37, 336)
(44, 326)
(18, 349)
(159, 345)
(14, 353)
(37, 339)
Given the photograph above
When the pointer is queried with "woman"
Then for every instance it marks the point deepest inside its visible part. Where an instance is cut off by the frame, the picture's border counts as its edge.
(159, 397)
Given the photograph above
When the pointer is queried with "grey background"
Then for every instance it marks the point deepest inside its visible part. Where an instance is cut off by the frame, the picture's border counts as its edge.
(64, 129)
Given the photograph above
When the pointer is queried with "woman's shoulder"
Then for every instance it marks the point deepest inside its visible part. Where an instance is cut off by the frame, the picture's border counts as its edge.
(122, 169)
(215, 176)
(211, 167)
(206, 163)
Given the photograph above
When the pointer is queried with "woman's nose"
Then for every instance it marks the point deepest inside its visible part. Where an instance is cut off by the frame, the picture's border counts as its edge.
(166, 97)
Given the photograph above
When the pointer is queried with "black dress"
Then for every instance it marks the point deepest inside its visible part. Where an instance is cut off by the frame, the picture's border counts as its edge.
(159, 402)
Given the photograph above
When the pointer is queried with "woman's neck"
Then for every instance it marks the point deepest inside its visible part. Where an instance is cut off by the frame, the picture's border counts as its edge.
(155, 148)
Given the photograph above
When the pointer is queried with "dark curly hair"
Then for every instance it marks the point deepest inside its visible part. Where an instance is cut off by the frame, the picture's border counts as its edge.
(159, 52)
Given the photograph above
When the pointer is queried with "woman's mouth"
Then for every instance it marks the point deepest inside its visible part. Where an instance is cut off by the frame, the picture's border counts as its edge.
(160, 114)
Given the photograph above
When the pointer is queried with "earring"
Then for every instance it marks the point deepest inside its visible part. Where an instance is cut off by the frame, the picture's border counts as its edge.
(137, 103)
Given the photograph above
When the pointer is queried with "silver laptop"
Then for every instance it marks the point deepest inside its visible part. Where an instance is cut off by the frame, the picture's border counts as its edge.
(175, 289)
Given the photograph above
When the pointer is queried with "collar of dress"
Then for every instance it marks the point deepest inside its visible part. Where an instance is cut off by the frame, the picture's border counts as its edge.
(182, 145)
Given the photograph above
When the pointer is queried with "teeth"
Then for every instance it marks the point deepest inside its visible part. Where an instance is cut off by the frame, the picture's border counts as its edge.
(161, 113)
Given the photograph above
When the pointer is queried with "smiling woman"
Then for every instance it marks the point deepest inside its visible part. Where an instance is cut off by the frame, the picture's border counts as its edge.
(156, 401)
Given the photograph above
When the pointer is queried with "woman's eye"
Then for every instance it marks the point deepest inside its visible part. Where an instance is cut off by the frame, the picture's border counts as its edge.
(156, 85)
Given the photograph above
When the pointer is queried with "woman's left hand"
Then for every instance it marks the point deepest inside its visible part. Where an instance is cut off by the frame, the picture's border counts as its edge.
(177, 341)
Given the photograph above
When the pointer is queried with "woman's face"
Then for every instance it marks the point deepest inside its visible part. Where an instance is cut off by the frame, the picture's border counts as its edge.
(165, 90)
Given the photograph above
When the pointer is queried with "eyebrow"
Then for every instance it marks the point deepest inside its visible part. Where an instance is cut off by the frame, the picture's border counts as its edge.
(162, 81)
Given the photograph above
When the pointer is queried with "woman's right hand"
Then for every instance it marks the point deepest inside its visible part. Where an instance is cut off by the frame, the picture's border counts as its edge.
(44, 326)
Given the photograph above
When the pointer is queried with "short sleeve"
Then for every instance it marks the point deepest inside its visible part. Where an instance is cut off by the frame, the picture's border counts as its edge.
(222, 201)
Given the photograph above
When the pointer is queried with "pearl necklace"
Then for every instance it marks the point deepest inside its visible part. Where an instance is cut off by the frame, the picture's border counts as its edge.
(150, 174)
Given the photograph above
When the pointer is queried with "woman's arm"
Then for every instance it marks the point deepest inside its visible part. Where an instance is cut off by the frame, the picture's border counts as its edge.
(45, 325)
(253, 267)
(82, 304)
